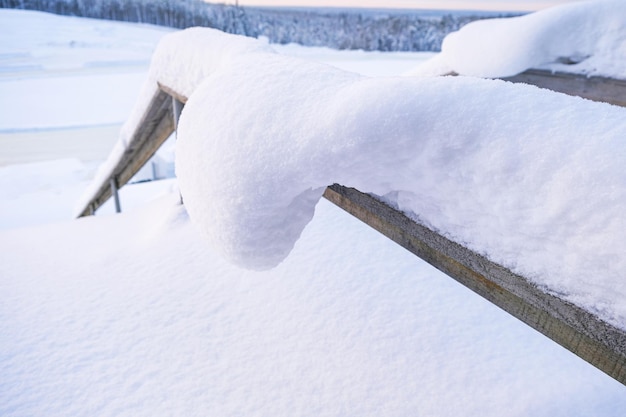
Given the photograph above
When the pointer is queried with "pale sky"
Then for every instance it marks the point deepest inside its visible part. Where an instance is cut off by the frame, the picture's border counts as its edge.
(412, 4)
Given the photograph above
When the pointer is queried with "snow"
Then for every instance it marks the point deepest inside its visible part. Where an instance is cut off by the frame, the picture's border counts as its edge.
(73, 96)
(69, 44)
(261, 137)
(373, 63)
(151, 323)
(25, 185)
(184, 68)
(70, 64)
(586, 37)
(196, 60)
(132, 314)
(170, 328)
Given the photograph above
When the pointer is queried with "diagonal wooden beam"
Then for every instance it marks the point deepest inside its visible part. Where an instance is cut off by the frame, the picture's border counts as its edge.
(607, 90)
(155, 126)
(597, 342)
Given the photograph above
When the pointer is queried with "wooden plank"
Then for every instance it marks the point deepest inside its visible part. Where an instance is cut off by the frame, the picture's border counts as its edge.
(172, 92)
(155, 126)
(177, 107)
(594, 88)
(595, 341)
(148, 140)
(116, 195)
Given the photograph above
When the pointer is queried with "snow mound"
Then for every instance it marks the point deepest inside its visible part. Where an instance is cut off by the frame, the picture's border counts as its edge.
(532, 179)
(587, 37)
(185, 58)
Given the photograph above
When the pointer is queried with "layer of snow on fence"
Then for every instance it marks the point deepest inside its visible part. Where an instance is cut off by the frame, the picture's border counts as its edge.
(181, 62)
(530, 178)
(586, 37)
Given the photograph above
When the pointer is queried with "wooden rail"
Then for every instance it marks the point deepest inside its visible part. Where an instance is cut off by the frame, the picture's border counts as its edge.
(159, 120)
(155, 126)
(597, 342)
(608, 90)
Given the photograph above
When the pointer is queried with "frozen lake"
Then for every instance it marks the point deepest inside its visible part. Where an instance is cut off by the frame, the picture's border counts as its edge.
(87, 144)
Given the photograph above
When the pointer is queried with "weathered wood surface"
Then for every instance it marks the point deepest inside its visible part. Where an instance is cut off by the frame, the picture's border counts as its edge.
(595, 341)
(156, 125)
(175, 94)
(608, 90)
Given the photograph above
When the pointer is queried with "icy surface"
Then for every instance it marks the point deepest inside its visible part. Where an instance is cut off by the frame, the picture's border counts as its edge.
(61, 101)
(587, 37)
(69, 44)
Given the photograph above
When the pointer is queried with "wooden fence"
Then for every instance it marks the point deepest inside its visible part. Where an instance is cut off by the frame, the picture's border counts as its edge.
(597, 342)
(607, 90)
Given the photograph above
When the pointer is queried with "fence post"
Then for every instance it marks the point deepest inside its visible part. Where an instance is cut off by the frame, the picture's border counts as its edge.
(177, 109)
(116, 196)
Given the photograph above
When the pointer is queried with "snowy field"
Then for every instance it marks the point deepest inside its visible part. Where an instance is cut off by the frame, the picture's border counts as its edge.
(132, 315)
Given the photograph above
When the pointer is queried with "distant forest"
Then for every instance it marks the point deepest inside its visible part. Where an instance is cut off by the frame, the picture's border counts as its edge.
(340, 29)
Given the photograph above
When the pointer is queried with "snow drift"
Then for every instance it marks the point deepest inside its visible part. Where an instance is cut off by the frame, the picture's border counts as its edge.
(584, 37)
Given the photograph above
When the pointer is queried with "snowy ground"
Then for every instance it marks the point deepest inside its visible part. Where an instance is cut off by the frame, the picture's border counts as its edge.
(133, 315)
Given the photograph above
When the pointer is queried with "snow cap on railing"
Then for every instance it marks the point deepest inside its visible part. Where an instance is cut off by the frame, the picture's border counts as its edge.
(532, 179)
(181, 61)
(586, 37)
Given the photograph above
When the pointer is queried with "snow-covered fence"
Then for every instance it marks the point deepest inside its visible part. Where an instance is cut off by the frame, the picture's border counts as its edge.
(578, 330)
(225, 63)
(155, 125)
(594, 340)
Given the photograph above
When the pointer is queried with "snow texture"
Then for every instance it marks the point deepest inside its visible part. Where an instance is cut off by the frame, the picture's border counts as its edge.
(132, 315)
(196, 60)
(532, 179)
(78, 63)
(587, 37)
(184, 67)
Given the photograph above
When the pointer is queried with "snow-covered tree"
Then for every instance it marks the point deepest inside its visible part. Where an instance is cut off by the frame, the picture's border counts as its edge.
(341, 29)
